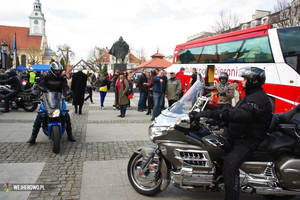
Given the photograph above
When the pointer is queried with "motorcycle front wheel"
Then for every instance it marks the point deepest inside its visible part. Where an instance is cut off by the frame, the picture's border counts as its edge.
(146, 183)
(55, 134)
(30, 106)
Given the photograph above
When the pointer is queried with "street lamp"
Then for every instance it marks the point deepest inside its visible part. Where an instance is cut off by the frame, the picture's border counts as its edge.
(4, 51)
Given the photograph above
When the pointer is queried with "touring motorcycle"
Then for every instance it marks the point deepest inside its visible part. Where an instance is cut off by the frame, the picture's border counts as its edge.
(185, 153)
(27, 99)
(53, 110)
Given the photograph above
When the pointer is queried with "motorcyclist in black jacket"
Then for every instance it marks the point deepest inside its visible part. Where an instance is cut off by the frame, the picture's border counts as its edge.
(247, 128)
(56, 83)
(16, 87)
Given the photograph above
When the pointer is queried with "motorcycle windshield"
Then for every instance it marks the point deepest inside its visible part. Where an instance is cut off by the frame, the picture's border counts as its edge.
(185, 104)
(52, 100)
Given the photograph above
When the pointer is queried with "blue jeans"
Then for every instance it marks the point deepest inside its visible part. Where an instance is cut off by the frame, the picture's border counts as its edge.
(102, 96)
(90, 91)
(157, 103)
(142, 100)
(123, 109)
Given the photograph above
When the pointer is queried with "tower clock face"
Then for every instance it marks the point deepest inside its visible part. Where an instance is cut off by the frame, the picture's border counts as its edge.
(36, 21)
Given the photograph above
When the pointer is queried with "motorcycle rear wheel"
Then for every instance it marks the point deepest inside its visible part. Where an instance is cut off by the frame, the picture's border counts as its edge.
(29, 106)
(1, 101)
(55, 134)
(147, 183)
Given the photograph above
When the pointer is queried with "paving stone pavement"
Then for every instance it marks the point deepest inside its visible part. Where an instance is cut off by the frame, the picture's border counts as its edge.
(94, 167)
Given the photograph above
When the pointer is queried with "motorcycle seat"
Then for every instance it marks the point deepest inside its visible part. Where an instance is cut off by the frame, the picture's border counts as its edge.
(276, 141)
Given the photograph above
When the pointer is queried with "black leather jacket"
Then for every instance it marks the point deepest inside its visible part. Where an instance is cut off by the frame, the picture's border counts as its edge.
(251, 117)
(14, 82)
(51, 83)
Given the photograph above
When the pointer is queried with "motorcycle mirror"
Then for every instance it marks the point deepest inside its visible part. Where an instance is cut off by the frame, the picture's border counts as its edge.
(183, 121)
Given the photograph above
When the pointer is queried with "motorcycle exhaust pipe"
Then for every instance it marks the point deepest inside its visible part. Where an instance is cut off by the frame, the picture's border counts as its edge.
(276, 191)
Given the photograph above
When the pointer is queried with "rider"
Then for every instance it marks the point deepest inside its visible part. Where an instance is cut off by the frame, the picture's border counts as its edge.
(248, 124)
(225, 90)
(16, 86)
(53, 82)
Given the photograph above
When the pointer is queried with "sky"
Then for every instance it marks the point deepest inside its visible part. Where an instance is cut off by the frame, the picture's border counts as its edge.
(153, 25)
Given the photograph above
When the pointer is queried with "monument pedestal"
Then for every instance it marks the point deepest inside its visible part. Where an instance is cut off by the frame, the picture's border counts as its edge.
(120, 66)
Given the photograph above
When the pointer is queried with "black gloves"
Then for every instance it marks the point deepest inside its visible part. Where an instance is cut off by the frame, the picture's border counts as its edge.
(207, 113)
(69, 92)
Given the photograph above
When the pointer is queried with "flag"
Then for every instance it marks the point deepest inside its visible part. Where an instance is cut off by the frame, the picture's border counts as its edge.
(15, 49)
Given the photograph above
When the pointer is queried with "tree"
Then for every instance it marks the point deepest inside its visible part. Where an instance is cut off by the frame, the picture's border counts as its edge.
(33, 56)
(95, 60)
(141, 55)
(104, 68)
(66, 53)
(225, 21)
(52, 60)
(62, 62)
(287, 13)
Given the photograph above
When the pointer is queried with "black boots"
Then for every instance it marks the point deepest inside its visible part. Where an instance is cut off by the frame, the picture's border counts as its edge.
(148, 113)
(75, 109)
(33, 136)
(70, 135)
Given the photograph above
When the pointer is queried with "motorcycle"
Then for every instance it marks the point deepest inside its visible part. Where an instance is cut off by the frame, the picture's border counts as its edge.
(186, 153)
(27, 99)
(53, 110)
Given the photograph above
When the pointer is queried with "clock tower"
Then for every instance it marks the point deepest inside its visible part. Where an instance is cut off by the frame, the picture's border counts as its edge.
(37, 20)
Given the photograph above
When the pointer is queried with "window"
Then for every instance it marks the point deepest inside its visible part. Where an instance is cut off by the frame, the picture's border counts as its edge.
(228, 51)
(256, 50)
(264, 20)
(23, 60)
(253, 24)
(189, 55)
(36, 29)
(245, 26)
(209, 55)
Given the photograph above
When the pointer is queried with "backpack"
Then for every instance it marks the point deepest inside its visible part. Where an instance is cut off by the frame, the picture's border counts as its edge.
(129, 91)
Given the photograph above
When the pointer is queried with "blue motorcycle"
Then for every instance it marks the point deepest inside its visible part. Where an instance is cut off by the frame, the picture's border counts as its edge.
(53, 110)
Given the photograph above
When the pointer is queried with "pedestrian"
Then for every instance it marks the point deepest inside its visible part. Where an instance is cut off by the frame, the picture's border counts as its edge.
(149, 84)
(248, 125)
(194, 77)
(225, 90)
(164, 87)
(181, 77)
(142, 89)
(114, 80)
(104, 86)
(237, 93)
(89, 87)
(78, 86)
(130, 81)
(158, 94)
(122, 86)
(173, 89)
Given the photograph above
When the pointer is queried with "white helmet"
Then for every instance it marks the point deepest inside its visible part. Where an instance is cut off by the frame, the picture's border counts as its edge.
(55, 66)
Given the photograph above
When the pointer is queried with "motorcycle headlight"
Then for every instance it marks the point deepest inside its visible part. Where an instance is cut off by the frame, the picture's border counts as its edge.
(156, 131)
(53, 113)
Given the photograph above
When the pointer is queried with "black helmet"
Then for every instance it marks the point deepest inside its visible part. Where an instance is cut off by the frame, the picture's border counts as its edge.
(223, 75)
(54, 66)
(10, 72)
(256, 77)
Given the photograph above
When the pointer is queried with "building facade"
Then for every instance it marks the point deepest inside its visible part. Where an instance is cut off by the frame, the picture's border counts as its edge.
(30, 42)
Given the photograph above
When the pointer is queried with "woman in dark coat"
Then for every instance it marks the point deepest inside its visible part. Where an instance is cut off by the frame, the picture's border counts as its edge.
(78, 87)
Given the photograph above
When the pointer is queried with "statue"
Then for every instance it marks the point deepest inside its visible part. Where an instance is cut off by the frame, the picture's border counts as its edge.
(119, 49)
